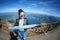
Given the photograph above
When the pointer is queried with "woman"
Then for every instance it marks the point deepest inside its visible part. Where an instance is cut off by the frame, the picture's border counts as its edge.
(19, 22)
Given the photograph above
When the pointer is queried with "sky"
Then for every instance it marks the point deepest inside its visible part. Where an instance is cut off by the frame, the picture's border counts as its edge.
(49, 7)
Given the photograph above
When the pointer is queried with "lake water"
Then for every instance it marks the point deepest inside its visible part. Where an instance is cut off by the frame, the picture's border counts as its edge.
(31, 17)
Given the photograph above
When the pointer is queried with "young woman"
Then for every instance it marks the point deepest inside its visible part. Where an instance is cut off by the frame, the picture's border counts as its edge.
(19, 22)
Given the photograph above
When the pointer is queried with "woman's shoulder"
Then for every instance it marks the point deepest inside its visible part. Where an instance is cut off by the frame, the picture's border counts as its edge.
(25, 18)
(17, 20)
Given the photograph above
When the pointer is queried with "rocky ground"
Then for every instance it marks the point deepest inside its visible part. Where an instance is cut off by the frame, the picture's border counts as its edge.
(52, 35)
(32, 34)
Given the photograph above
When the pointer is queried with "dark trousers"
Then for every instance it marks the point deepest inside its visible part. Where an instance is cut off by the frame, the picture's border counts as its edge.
(12, 36)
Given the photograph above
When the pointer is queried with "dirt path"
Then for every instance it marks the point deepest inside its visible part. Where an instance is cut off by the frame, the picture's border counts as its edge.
(52, 35)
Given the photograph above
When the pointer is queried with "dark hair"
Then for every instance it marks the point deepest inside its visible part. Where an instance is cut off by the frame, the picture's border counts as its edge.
(19, 11)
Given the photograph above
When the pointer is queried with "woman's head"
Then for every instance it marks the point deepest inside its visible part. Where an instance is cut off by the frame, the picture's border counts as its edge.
(21, 13)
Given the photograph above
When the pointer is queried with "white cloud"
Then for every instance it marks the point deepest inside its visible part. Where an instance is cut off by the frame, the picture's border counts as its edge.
(42, 12)
(9, 10)
(28, 9)
(34, 4)
(35, 11)
(45, 2)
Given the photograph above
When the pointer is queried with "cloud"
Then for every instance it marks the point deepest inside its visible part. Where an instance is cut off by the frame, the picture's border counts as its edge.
(34, 4)
(28, 9)
(9, 10)
(42, 12)
(45, 2)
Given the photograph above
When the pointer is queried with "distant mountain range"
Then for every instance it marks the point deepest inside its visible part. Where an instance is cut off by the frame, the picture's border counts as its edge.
(32, 18)
(45, 18)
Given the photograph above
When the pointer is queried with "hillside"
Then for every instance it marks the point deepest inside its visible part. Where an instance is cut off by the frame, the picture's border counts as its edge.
(40, 29)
